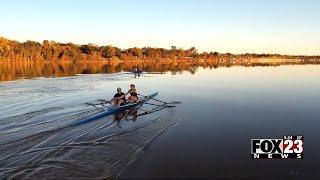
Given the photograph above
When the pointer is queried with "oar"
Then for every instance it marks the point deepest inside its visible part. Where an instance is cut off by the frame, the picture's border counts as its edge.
(174, 102)
(90, 104)
(159, 105)
(94, 105)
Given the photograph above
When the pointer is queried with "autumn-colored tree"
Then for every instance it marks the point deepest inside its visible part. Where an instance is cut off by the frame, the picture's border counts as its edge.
(109, 51)
(53, 51)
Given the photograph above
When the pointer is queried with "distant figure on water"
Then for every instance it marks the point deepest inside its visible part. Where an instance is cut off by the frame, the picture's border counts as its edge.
(137, 71)
(119, 98)
(133, 94)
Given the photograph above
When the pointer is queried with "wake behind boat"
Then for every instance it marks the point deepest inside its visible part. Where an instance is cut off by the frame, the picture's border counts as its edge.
(115, 109)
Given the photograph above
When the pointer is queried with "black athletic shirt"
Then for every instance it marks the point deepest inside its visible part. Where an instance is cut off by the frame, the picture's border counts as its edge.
(118, 95)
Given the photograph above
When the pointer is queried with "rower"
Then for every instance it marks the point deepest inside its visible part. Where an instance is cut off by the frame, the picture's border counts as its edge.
(119, 98)
(133, 94)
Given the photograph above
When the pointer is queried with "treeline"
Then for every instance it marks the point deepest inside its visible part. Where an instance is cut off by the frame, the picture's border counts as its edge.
(53, 51)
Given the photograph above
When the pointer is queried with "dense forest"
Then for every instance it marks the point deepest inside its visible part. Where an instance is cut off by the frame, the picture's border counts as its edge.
(52, 51)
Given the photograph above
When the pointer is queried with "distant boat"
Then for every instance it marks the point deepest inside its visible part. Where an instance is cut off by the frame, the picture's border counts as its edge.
(137, 71)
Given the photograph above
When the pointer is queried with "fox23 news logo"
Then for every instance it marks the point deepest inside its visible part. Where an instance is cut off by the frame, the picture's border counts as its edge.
(289, 147)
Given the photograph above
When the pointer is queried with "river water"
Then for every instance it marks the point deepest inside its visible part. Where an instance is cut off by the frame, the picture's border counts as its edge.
(207, 135)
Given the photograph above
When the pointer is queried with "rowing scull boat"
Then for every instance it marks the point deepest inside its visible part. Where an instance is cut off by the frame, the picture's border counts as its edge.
(112, 110)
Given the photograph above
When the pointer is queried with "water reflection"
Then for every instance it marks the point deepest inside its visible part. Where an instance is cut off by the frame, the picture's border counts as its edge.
(15, 70)
(135, 112)
(131, 114)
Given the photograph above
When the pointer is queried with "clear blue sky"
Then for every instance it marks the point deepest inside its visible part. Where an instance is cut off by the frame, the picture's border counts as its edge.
(236, 26)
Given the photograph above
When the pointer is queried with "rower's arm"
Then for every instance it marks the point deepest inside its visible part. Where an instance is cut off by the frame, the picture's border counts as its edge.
(121, 97)
(111, 100)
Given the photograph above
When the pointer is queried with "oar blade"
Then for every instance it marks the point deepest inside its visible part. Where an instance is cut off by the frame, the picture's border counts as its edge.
(161, 105)
(90, 104)
(168, 106)
(174, 102)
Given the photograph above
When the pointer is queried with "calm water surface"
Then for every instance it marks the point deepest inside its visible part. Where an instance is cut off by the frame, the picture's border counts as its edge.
(208, 135)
